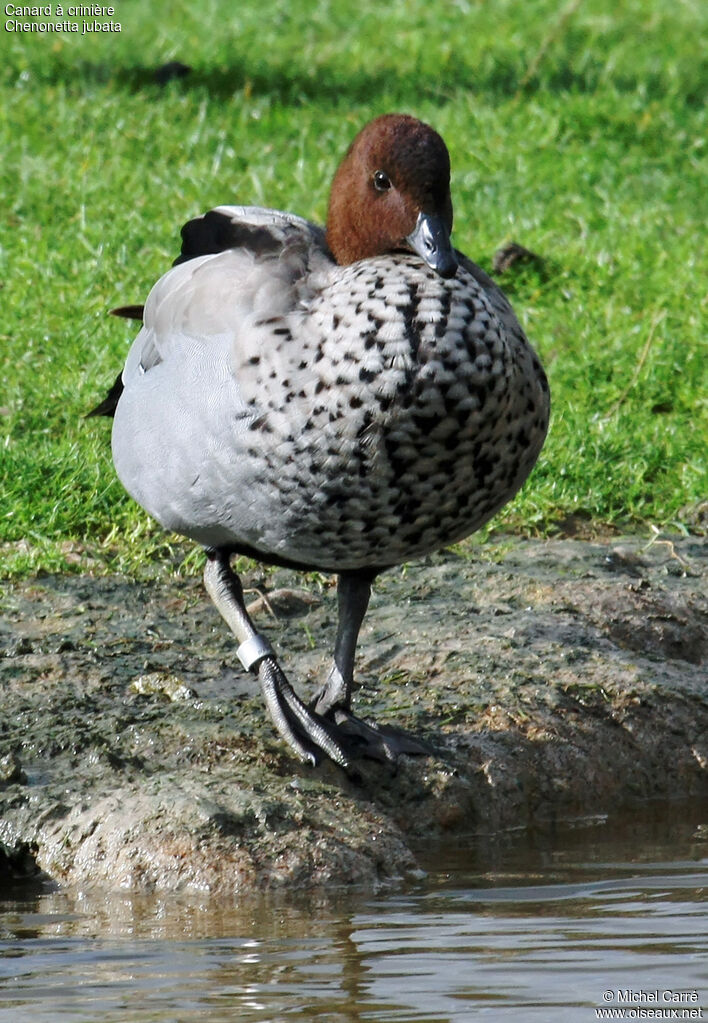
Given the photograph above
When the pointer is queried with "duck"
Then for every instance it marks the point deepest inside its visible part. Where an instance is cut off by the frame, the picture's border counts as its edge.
(341, 399)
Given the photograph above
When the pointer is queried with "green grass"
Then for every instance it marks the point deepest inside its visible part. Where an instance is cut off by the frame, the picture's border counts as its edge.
(599, 162)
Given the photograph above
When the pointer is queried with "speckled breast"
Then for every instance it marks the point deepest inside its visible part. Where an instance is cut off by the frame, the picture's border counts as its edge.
(393, 415)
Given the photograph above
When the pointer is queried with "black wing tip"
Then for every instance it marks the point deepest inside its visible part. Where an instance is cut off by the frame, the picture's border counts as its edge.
(217, 231)
(205, 235)
(129, 312)
(110, 403)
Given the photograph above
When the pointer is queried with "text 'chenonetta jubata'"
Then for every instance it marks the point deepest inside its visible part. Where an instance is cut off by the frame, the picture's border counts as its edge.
(340, 400)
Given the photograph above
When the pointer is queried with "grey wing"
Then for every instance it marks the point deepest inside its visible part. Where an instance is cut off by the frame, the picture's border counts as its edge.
(237, 263)
(253, 227)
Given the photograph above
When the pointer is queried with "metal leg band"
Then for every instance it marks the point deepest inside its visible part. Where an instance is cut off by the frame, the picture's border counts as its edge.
(253, 651)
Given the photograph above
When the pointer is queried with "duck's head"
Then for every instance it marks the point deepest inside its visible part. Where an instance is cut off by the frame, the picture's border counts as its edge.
(391, 192)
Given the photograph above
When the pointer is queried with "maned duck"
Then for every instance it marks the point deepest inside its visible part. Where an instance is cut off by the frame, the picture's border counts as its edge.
(340, 400)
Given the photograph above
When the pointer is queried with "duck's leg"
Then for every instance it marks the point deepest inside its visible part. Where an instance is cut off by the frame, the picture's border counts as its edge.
(334, 700)
(309, 735)
(353, 593)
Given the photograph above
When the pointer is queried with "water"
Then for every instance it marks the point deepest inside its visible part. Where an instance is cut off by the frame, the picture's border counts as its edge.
(558, 924)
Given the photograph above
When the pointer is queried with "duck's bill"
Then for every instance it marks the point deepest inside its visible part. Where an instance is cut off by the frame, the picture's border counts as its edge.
(430, 238)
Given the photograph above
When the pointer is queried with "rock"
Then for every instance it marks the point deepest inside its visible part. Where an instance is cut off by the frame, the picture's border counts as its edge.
(551, 678)
(162, 682)
(11, 771)
(511, 254)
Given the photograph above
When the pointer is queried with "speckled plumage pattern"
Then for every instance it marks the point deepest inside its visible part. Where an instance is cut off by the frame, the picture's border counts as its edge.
(333, 417)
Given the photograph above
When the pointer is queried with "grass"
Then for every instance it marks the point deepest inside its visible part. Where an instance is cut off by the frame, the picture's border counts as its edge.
(582, 136)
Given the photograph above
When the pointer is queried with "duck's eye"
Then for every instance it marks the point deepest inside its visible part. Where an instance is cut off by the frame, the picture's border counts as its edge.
(382, 182)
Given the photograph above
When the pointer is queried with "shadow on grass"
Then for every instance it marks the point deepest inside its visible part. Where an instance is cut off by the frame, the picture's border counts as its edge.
(289, 85)
(497, 80)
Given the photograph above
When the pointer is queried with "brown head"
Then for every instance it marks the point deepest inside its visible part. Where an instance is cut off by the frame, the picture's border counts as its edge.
(392, 192)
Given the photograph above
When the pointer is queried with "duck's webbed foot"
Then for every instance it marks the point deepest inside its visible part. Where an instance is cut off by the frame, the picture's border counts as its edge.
(366, 737)
(308, 734)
